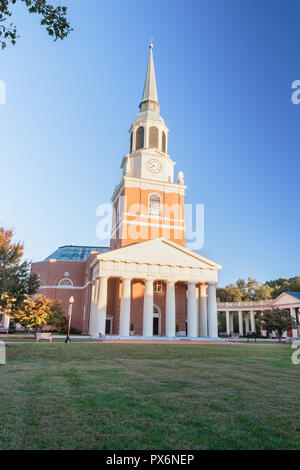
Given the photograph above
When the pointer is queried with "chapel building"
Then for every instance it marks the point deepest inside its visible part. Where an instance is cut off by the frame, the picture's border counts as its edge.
(147, 283)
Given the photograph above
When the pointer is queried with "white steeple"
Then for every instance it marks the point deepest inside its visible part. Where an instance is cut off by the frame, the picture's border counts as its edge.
(150, 90)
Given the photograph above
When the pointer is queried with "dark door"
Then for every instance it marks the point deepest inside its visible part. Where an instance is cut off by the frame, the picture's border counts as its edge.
(155, 326)
(107, 326)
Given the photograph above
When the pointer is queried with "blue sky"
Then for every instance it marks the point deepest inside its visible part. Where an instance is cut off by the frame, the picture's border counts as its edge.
(224, 71)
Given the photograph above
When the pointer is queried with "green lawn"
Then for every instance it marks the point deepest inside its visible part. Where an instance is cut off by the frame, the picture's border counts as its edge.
(143, 396)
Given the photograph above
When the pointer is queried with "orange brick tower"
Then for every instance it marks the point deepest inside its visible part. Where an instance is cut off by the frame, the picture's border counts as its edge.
(148, 203)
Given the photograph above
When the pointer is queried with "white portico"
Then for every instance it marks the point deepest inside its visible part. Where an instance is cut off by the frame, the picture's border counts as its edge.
(189, 292)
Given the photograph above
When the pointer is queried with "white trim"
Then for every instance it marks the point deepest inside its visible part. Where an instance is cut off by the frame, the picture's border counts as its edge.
(147, 183)
(152, 217)
(145, 224)
(65, 287)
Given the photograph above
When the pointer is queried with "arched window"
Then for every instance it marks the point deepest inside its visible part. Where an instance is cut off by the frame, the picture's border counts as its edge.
(154, 205)
(131, 141)
(164, 142)
(140, 138)
(65, 283)
(153, 137)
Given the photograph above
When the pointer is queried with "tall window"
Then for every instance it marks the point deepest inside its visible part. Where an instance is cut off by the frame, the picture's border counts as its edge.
(65, 283)
(164, 142)
(158, 286)
(153, 137)
(140, 138)
(118, 211)
(131, 141)
(154, 205)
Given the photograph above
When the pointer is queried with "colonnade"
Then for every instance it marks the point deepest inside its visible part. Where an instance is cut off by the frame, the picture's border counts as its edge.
(201, 308)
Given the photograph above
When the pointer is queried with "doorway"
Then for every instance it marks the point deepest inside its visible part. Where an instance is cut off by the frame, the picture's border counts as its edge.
(156, 321)
(108, 325)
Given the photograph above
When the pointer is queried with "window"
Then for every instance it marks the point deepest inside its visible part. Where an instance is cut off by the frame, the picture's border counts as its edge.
(164, 142)
(158, 286)
(65, 283)
(153, 138)
(154, 205)
(118, 211)
(140, 138)
(131, 141)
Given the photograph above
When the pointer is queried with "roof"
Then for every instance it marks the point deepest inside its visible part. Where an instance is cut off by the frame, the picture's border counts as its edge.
(162, 252)
(294, 294)
(76, 253)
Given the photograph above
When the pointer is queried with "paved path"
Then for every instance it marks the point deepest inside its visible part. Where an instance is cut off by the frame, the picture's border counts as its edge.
(124, 341)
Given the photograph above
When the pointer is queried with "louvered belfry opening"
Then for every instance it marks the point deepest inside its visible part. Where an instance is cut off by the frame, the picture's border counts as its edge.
(164, 142)
(140, 135)
(153, 137)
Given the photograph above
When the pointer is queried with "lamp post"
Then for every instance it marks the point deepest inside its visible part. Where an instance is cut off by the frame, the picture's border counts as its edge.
(71, 301)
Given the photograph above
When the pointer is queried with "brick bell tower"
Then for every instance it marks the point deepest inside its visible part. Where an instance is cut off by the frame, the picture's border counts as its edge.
(147, 203)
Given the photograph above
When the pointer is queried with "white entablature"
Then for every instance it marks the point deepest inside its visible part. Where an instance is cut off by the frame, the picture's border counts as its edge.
(156, 259)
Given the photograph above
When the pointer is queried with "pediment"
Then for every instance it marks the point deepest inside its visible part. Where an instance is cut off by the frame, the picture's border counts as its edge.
(285, 299)
(160, 252)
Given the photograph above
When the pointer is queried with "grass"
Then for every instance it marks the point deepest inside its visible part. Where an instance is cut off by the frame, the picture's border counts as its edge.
(143, 396)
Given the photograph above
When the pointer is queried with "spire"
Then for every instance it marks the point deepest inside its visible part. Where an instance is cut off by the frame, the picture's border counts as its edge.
(150, 91)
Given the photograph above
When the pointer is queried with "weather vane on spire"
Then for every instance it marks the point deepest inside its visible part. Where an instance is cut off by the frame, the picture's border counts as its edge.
(151, 43)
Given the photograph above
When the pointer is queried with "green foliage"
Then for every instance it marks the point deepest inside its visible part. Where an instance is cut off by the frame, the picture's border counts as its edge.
(284, 285)
(57, 316)
(40, 311)
(16, 281)
(253, 290)
(54, 18)
(277, 320)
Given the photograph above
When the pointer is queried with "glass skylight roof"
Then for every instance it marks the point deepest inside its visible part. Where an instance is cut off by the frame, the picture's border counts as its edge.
(76, 253)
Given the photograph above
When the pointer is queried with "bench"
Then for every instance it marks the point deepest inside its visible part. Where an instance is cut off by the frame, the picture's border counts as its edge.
(101, 337)
(234, 337)
(40, 336)
(181, 334)
(3, 330)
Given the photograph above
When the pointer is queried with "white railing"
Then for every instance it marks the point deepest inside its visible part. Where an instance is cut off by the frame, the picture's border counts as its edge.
(244, 305)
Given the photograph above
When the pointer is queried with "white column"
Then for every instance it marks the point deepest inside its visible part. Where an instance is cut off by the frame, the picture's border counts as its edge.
(100, 317)
(241, 326)
(192, 323)
(148, 309)
(125, 308)
(170, 310)
(212, 311)
(252, 318)
(247, 322)
(231, 323)
(92, 307)
(294, 316)
(6, 321)
(228, 323)
(202, 311)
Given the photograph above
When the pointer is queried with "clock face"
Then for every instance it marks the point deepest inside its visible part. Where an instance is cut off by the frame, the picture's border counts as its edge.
(154, 165)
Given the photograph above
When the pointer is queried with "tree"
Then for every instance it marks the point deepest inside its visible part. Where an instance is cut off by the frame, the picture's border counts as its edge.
(230, 293)
(16, 281)
(38, 312)
(262, 292)
(54, 18)
(57, 317)
(277, 320)
(284, 285)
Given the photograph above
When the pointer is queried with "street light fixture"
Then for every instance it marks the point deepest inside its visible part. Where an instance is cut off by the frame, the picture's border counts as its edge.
(71, 301)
